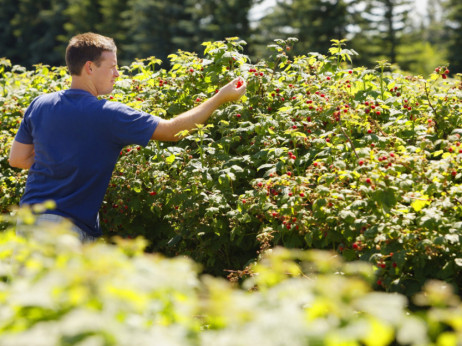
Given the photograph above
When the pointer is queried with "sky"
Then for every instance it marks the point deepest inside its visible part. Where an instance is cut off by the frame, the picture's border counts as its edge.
(258, 11)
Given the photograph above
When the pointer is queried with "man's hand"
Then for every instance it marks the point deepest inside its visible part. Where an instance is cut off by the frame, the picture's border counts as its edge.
(232, 91)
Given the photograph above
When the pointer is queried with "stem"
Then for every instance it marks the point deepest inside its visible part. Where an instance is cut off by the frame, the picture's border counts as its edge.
(431, 106)
(377, 125)
(381, 82)
(201, 151)
(351, 142)
(274, 70)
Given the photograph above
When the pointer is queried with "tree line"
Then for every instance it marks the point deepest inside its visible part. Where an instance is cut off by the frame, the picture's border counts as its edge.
(37, 31)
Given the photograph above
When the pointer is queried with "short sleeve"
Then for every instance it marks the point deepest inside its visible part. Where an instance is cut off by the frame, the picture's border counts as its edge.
(130, 126)
(24, 134)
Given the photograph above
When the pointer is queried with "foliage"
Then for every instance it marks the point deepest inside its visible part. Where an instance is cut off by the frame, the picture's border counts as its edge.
(454, 26)
(316, 155)
(313, 22)
(54, 291)
(38, 31)
(385, 21)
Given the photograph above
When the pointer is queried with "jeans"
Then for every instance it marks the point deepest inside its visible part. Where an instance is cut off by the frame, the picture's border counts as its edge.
(43, 219)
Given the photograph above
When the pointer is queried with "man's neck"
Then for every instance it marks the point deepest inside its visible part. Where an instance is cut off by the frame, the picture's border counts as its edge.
(83, 84)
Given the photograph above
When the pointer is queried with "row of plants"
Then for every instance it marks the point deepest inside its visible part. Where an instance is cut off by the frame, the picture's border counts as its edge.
(318, 154)
(54, 291)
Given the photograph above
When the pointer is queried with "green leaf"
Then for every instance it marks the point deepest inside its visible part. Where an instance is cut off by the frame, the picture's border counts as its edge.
(420, 203)
(385, 198)
(170, 159)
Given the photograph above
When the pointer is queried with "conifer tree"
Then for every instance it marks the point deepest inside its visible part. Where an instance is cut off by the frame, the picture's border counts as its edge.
(314, 22)
(454, 29)
(382, 24)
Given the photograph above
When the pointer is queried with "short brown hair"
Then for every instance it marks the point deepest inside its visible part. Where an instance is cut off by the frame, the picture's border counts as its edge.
(86, 47)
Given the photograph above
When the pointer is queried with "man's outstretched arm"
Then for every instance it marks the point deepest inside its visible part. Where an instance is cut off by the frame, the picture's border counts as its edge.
(21, 155)
(168, 129)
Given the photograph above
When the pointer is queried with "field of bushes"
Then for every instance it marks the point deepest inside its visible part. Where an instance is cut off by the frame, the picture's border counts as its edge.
(327, 202)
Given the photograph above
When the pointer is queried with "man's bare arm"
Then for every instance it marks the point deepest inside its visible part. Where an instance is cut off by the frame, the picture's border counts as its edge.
(21, 155)
(168, 129)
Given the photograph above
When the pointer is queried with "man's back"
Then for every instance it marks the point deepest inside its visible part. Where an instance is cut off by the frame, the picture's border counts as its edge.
(77, 140)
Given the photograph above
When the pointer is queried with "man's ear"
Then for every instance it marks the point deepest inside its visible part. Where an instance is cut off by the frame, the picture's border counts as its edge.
(88, 67)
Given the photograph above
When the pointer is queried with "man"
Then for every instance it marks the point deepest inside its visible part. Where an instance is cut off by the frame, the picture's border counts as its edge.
(70, 140)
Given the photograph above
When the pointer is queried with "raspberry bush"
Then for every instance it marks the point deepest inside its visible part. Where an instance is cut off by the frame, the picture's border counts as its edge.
(318, 154)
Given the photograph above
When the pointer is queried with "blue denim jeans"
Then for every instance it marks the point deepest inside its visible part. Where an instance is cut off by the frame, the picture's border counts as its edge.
(43, 219)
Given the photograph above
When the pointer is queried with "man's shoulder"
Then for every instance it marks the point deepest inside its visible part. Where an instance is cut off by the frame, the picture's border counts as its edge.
(47, 97)
(118, 107)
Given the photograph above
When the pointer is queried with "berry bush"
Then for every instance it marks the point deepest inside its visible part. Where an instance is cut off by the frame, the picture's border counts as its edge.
(319, 154)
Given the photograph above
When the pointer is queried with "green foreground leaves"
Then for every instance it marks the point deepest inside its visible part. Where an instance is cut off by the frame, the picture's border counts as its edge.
(54, 291)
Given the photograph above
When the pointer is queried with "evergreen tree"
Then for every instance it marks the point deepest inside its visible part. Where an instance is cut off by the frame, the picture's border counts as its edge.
(112, 23)
(221, 19)
(382, 24)
(314, 22)
(82, 16)
(7, 38)
(424, 48)
(157, 28)
(30, 29)
(454, 29)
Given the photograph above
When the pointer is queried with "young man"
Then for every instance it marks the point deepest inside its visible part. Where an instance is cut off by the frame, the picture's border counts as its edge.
(70, 140)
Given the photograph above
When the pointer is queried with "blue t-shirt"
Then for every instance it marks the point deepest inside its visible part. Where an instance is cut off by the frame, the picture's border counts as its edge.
(77, 140)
